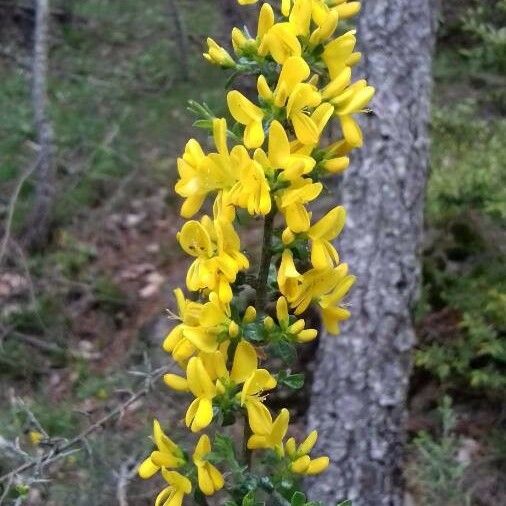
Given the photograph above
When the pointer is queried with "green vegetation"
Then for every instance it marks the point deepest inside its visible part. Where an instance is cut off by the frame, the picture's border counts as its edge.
(437, 472)
(464, 262)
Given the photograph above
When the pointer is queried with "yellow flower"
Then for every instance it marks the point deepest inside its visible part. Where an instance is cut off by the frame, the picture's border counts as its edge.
(207, 376)
(209, 478)
(301, 462)
(200, 174)
(248, 114)
(353, 100)
(345, 8)
(338, 53)
(200, 412)
(281, 42)
(271, 433)
(297, 97)
(296, 329)
(256, 383)
(279, 156)
(35, 437)
(252, 190)
(173, 495)
(189, 315)
(243, 45)
(288, 276)
(323, 253)
(291, 202)
(326, 287)
(216, 248)
(167, 455)
(218, 55)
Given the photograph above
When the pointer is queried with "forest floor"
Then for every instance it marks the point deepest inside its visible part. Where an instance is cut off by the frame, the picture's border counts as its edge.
(82, 321)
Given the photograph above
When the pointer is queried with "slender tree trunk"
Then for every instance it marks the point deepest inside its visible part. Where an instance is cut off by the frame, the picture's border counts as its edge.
(233, 15)
(179, 32)
(361, 377)
(37, 225)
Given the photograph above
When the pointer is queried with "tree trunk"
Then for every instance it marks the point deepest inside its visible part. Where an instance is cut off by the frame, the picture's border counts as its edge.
(179, 32)
(361, 377)
(233, 15)
(37, 225)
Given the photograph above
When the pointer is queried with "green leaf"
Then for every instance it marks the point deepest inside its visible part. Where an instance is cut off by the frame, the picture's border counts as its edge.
(284, 350)
(344, 503)
(293, 381)
(249, 499)
(298, 499)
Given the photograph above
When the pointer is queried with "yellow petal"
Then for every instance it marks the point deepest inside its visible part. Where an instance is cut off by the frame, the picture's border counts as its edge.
(254, 135)
(297, 218)
(337, 165)
(348, 10)
(330, 226)
(279, 146)
(308, 444)
(259, 417)
(265, 20)
(351, 131)
(203, 415)
(305, 128)
(301, 465)
(243, 110)
(280, 426)
(300, 16)
(294, 71)
(245, 362)
(282, 310)
(216, 476)
(205, 482)
(202, 448)
(307, 335)
(176, 382)
(318, 465)
(147, 469)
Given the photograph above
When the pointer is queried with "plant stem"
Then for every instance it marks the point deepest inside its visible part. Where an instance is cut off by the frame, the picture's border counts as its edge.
(247, 454)
(265, 262)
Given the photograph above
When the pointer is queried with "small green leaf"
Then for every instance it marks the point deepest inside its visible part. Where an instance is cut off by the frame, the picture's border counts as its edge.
(344, 503)
(284, 350)
(293, 381)
(298, 499)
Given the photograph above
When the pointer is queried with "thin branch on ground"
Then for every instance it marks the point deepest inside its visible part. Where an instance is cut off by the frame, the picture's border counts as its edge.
(126, 473)
(61, 449)
(12, 206)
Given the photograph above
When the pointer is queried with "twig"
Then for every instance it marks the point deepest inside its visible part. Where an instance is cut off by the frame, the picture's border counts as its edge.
(21, 403)
(6, 490)
(12, 205)
(58, 451)
(126, 473)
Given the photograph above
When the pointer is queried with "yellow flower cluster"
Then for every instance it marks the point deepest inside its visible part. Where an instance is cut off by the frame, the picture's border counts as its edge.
(268, 160)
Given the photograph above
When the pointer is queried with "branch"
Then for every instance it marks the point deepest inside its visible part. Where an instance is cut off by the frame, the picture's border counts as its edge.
(265, 263)
(58, 451)
(12, 205)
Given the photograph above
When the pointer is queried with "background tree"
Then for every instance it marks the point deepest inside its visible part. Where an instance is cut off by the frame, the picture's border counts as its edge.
(361, 378)
(38, 220)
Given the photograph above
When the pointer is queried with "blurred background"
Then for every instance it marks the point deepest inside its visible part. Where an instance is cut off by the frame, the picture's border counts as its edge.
(82, 305)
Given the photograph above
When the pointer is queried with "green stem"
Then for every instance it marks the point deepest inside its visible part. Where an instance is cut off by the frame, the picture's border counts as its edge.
(265, 262)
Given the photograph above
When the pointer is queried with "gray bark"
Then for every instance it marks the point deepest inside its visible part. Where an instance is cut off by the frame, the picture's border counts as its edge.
(38, 221)
(361, 378)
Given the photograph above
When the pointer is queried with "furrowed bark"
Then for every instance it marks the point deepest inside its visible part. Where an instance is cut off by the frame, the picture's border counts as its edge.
(361, 377)
(36, 230)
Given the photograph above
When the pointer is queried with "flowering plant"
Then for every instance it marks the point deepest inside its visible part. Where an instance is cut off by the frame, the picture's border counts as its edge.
(269, 162)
